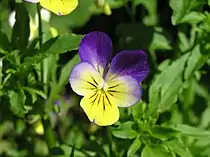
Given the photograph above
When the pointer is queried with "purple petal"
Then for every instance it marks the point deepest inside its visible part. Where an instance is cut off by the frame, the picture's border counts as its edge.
(96, 49)
(132, 63)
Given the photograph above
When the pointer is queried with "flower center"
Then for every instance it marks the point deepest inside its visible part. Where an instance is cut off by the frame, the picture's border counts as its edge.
(103, 86)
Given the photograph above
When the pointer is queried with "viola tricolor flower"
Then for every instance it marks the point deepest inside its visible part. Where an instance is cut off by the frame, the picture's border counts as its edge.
(59, 7)
(107, 85)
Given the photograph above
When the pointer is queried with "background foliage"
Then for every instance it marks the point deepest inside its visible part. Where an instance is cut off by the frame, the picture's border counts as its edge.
(40, 115)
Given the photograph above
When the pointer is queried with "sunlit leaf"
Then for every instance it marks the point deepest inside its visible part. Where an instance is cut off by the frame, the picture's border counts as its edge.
(155, 151)
(136, 144)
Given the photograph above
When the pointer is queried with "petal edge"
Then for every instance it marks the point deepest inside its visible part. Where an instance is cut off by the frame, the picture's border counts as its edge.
(132, 63)
(96, 49)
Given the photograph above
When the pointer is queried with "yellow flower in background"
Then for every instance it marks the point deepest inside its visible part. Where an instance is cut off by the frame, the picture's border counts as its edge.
(59, 7)
(105, 5)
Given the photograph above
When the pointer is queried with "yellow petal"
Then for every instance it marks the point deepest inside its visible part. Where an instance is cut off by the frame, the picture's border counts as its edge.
(59, 7)
(124, 91)
(84, 79)
(99, 109)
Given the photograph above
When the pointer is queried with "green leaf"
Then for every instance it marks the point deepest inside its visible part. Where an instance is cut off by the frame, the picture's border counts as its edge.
(21, 29)
(4, 43)
(135, 146)
(187, 130)
(125, 134)
(178, 147)
(35, 91)
(170, 81)
(17, 101)
(193, 18)
(125, 131)
(67, 70)
(154, 102)
(188, 94)
(155, 151)
(160, 40)
(180, 9)
(205, 120)
(192, 62)
(54, 46)
(163, 133)
(138, 110)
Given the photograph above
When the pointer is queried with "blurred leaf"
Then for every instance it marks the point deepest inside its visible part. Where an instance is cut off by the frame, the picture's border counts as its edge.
(4, 146)
(1, 74)
(41, 148)
(54, 46)
(93, 145)
(151, 6)
(180, 9)
(134, 147)
(20, 126)
(5, 128)
(4, 43)
(178, 148)
(17, 101)
(155, 151)
(56, 151)
(65, 151)
(190, 131)
(72, 151)
(21, 29)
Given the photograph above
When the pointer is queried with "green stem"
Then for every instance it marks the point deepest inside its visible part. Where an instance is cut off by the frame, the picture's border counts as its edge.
(109, 134)
(48, 130)
(43, 63)
(49, 133)
(40, 24)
